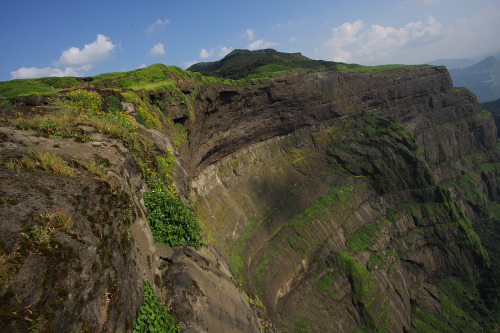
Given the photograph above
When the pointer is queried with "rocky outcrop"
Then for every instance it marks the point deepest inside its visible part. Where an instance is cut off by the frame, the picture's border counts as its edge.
(204, 293)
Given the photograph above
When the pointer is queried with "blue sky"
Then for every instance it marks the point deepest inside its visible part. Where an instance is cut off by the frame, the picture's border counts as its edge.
(79, 38)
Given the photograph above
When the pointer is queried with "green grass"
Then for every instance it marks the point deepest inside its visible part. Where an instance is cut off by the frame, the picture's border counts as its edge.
(269, 70)
(451, 319)
(154, 77)
(323, 285)
(384, 70)
(235, 260)
(361, 280)
(363, 237)
(308, 214)
(151, 78)
(449, 214)
(19, 87)
(171, 222)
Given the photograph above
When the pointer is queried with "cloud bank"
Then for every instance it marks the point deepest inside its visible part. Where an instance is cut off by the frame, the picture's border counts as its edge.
(354, 42)
(72, 62)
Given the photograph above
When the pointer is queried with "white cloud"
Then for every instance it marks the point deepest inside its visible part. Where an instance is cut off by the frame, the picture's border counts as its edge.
(158, 49)
(260, 44)
(292, 39)
(96, 51)
(142, 66)
(34, 72)
(206, 54)
(187, 64)
(72, 62)
(157, 25)
(223, 51)
(352, 42)
(250, 34)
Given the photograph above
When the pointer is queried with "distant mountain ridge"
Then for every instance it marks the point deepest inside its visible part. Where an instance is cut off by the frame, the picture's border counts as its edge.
(482, 78)
(454, 63)
(245, 64)
(242, 63)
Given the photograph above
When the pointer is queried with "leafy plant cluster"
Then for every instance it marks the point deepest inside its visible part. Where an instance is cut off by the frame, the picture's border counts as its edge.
(152, 316)
(171, 222)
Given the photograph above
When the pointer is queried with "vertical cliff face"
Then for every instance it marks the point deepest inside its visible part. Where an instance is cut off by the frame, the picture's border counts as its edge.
(334, 196)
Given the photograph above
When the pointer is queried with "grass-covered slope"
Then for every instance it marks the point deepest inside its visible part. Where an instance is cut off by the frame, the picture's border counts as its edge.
(154, 77)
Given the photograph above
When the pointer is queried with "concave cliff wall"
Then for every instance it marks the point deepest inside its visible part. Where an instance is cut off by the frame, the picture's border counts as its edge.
(334, 196)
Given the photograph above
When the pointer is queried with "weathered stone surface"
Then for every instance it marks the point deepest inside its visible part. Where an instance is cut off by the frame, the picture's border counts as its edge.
(204, 293)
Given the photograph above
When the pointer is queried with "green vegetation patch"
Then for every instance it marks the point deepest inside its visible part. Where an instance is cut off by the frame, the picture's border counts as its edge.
(46, 85)
(235, 260)
(451, 319)
(308, 214)
(449, 214)
(171, 222)
(154, 77)
(152, 316)
(324, 284)
(145, 113)
(384, 70)
(363, 237)
(364, 291)
(303, 325)
(489, 167)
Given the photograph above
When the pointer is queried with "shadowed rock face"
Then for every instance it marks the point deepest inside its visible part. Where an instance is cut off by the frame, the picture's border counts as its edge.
(232, 117)
(323, 191)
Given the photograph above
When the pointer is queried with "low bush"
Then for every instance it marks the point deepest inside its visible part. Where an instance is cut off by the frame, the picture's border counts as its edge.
(152, 316)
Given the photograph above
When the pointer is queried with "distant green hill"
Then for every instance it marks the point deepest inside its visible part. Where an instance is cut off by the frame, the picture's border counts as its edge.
(246, 64)
(482, 78)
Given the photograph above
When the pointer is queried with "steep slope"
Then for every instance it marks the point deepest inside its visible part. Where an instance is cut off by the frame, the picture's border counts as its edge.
(330, 201)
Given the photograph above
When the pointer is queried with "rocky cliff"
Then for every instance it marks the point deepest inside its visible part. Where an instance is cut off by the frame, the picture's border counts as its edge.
(330, 201)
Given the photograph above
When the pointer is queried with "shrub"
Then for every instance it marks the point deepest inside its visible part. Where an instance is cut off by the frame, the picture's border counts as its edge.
(85, 100)
(170, 220)
(114, 104)
(152, 316)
